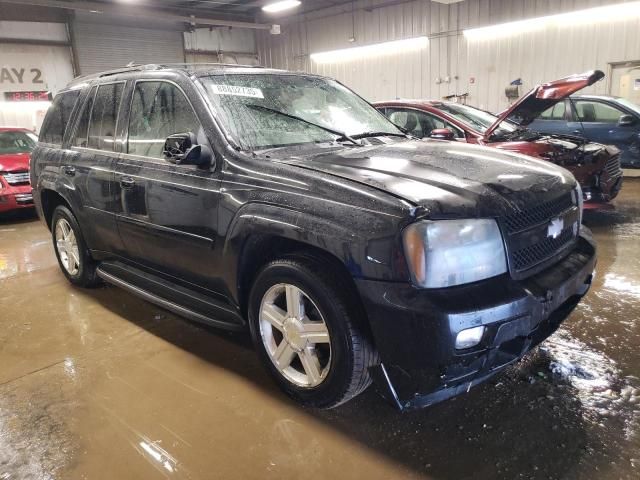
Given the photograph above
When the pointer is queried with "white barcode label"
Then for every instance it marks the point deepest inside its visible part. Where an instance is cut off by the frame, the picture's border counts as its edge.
(237, 91)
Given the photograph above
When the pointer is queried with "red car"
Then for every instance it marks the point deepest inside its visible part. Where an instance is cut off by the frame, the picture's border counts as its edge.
(595, 166)
(16, 145)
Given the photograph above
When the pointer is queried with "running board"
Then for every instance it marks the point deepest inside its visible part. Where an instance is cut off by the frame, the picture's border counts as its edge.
(164, 303)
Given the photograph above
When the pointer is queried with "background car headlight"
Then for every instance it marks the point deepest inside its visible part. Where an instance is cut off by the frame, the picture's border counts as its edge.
(442, 253)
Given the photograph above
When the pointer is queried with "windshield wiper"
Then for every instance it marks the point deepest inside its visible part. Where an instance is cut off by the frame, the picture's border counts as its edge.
(379, 134)
(340, 135)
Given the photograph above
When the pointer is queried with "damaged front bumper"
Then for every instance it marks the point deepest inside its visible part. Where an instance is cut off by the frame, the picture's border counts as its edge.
(415, 329)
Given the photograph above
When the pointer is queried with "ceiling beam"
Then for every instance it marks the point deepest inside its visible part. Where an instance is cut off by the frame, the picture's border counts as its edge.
(136, 11)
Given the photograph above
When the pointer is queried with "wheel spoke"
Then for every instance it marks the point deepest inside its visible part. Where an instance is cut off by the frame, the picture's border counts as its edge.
(274, 315)
(283, 355)
(316, 332)
(295, 307)
(62, 246)
(311, 365)
(75, 257)
(65, 230)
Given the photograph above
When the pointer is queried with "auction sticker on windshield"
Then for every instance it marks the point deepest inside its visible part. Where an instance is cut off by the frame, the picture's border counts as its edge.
(237, 90)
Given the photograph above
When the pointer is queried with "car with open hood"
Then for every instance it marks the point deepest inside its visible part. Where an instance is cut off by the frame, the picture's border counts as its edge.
(596, 166)
(598, 118)
(16, 145)
(286, 205)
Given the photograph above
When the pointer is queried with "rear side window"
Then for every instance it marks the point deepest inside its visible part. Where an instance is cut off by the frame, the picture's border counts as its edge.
(102, 128)
(159, 109)
(58, 117)
(80, 139)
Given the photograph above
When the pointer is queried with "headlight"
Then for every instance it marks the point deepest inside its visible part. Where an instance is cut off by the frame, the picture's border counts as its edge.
(443, 253)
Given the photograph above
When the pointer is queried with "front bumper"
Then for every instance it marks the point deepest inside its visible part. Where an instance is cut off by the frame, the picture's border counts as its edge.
(15, 198)
(415, 330)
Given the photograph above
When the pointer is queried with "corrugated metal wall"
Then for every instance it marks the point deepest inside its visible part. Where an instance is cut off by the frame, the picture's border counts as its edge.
(534, 57)
(103, 46)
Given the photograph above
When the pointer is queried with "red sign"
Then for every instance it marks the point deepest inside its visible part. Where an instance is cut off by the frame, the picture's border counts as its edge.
(38, 96)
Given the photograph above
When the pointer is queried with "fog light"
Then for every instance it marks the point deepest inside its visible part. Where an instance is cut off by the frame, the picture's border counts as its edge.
(469, 338)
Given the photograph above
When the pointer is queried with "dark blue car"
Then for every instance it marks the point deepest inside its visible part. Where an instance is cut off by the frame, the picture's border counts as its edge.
(598, 118)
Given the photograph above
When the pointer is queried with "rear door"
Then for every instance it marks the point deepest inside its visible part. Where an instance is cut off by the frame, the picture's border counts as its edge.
(169, 212)
(91, 165)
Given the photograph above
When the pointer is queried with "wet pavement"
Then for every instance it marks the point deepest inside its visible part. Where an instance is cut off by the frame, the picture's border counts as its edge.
(99, 384)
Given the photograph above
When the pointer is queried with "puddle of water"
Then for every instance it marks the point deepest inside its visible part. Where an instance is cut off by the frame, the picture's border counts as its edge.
(598, 382)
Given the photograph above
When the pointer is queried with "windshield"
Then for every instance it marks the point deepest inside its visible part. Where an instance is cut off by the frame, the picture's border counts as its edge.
(17, 142)
(630, 105)
(476, 119)
(259, 110)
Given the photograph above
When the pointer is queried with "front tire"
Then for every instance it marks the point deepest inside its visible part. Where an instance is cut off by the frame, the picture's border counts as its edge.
(71, 250)
(306, 333)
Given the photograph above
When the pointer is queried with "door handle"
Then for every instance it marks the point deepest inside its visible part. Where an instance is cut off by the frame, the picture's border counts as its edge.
(578, 132)
(127, 182)
(69, 170)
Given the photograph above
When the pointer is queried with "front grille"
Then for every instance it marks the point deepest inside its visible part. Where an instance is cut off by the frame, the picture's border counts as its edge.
(612, 166)
(17, 178)
(537, 214)
(538, 252)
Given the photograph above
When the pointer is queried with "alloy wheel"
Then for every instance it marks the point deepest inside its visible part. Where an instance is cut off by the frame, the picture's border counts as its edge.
(67, 246)
(295, 335)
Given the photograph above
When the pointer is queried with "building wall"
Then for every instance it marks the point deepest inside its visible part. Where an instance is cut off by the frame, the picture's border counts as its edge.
(34, 56)
(482, 68)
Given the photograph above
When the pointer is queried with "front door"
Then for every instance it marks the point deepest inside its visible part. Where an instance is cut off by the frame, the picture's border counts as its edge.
(599, 121)
(168, 219)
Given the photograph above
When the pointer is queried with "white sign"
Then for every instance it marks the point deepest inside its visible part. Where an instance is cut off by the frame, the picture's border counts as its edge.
(237, 91)
(18, 73)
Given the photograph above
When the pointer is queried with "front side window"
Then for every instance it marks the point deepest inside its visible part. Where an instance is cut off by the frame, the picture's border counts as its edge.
(17, 142)
(260, 110)
(58, 117)
(596, 112)
(418, 123)
(102, 130)
(159, 109)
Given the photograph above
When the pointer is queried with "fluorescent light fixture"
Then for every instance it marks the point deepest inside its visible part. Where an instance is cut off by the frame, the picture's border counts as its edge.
(376, 49)
(608, 13)
(280, 6)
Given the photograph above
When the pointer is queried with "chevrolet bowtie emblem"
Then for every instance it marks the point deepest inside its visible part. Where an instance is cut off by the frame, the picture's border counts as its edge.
(555, 228)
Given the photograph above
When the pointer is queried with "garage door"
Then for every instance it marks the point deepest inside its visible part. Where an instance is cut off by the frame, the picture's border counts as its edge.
(102, 47)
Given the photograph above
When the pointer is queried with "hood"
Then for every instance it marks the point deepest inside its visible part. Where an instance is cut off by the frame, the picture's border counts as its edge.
(528, 107)
(12, 162)
(447, 178)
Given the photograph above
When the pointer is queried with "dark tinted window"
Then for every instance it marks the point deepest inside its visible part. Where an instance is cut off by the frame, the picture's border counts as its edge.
(102, 129)
(80, 139)
(159, 109)
(58, 117)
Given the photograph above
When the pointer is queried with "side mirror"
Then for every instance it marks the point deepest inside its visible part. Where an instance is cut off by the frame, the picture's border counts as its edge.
(442, 134)
(626, 120)
(183, 149)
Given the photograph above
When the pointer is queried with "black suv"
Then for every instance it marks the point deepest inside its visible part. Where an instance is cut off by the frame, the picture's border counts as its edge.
(285, 204)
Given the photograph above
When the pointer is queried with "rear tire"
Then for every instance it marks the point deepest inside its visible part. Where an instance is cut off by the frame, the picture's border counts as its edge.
(71, 250)
(315, 351)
